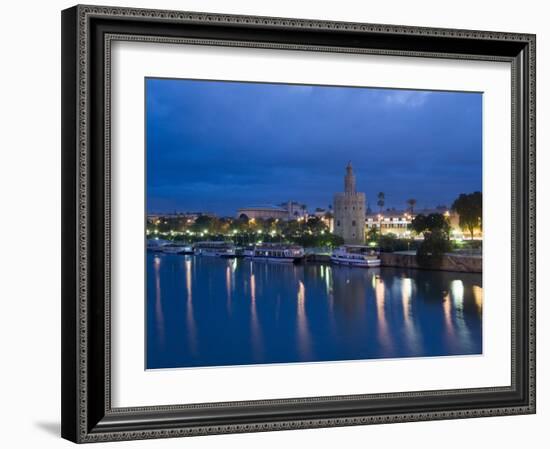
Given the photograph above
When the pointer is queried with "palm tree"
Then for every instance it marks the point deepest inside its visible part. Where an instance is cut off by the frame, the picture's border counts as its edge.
(381, 200)
(412, 203)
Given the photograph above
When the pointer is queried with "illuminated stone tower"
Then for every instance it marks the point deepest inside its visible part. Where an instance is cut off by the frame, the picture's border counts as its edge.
(349, 211)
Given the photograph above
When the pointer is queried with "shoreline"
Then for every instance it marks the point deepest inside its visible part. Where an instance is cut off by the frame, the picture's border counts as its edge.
(458, 263)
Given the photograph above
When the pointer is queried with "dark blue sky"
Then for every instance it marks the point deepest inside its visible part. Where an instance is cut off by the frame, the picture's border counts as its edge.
(217, 146)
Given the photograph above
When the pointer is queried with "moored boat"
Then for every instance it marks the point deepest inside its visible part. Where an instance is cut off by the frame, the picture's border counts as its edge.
(156, 244)
(276, 252)
(356, 255)
(174, 248)
(218, 249)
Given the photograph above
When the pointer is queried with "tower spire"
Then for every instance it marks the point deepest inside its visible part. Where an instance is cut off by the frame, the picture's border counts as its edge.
(349, 180)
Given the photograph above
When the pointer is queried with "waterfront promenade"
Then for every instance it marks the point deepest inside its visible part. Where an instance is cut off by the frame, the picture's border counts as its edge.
(464, 263)
(449, 262)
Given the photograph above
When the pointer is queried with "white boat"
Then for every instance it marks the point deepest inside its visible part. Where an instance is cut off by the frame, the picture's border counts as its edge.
(276, 252)
(218, 249)
(156, 244)
(174, 248)
(356, 256)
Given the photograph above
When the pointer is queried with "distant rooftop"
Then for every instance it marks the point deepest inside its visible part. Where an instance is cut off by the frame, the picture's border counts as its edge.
(263, 207)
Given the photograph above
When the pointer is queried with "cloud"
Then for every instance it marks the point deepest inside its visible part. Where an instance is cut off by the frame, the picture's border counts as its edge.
(407, 98)
(222, 145)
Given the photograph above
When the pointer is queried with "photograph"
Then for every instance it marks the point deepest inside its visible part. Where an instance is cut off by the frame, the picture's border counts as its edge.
(297, 223)
(273, 222)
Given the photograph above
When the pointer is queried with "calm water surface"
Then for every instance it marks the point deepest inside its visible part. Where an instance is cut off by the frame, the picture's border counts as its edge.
(207, 311)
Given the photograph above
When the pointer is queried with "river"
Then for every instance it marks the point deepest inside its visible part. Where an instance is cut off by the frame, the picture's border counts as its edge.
(208, 311)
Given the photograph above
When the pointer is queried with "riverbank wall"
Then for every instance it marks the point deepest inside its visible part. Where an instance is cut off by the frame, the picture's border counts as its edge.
(449, 262)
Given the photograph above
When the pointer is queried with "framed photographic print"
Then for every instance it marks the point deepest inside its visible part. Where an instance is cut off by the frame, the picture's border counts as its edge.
(275, 224)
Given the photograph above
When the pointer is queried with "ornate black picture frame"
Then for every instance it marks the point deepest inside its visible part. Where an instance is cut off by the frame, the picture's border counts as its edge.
(87, 33)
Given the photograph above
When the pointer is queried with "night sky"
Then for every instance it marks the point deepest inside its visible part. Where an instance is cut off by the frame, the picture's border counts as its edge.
(218, 146)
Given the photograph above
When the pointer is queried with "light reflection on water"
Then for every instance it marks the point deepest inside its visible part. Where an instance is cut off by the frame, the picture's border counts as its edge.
(228, 287)
(303, 330)
(190, 317)
(254, 323)
(448, 312)
(242, 312)
(384, 336)
(478, 297)
(411, 332)
(457, 293)
(159, 314)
